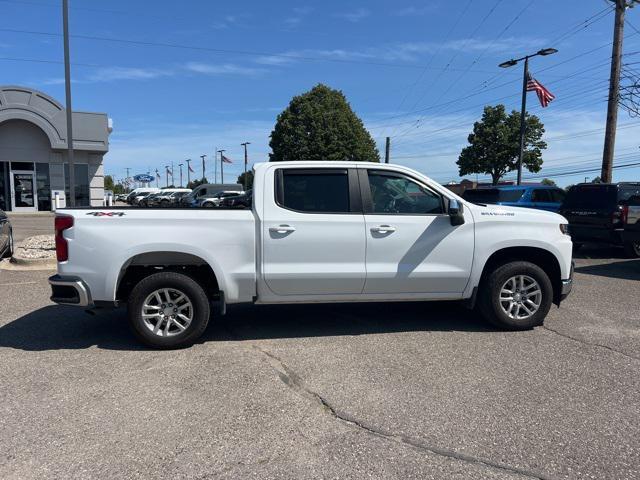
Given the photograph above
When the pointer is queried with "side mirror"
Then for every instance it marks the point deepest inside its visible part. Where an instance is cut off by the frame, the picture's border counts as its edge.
(456, 212)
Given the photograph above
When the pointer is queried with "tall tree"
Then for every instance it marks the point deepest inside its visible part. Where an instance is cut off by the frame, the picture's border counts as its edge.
(249, 175)
(495, 143)
(320, 125)
(548, 181)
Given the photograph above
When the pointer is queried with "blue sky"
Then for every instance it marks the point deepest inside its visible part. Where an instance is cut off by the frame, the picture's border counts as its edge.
(182, 78)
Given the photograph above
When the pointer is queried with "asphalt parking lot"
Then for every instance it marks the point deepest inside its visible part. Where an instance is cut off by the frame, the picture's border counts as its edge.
(338, 391)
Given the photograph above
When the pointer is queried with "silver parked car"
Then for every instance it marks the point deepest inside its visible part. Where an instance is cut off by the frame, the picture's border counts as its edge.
(6, 236)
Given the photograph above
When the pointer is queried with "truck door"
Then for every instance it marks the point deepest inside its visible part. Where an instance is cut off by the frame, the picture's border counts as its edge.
(313, 232)
(411, 245)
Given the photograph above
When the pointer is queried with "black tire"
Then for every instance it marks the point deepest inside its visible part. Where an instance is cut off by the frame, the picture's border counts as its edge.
(632, 249)
(491, 286)
(171, 280)
(164, 203)
(8, 253)
(208, 205)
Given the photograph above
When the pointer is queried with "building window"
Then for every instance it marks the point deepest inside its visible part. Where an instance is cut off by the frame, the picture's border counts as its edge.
(43, 187)
(28, 166)
(81, 171)
(5, 203)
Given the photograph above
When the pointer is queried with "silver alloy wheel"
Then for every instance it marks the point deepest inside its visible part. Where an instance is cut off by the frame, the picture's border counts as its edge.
(520, 297)
(167, 312)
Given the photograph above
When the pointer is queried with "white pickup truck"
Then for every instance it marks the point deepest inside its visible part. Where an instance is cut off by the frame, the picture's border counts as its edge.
(316, 232)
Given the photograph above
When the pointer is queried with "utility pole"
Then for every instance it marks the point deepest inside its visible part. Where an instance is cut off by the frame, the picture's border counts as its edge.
(203, 157)
(166, 172)
(188, 160)
(614, 89)
(180, 165)
(246, 159)
(221, 165)
(523, 110)
(173, 178)
(67, 89)
(387, 150)
(157, 178)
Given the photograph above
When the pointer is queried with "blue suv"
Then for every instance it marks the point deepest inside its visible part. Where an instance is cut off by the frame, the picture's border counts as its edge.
(542, 197)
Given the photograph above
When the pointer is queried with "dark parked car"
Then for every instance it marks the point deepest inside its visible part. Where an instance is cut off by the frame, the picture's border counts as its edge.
(238, 201)
(631, 234)
(541, 197)
(6, 236)
(597, 212)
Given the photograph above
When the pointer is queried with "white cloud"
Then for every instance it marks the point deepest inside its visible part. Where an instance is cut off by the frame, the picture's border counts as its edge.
(222, 69)
(413, 11)
(355, 15)
(299, 14)
(109, 74)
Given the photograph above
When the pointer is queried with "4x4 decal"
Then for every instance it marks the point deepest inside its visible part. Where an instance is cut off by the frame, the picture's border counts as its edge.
(106, 214)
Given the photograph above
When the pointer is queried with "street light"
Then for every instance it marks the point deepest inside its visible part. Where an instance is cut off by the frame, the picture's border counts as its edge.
(510, 63)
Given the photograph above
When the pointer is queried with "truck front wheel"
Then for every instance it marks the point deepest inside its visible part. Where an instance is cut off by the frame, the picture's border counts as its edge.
(516, 296)
(168, 310)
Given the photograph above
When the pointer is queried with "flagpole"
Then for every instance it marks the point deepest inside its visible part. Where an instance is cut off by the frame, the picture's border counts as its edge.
(523, 119)
(221, 166)
(523, 110)
(188, 171)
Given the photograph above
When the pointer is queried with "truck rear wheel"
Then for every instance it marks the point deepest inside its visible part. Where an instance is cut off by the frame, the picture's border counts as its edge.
(516, 296)
(168, 310)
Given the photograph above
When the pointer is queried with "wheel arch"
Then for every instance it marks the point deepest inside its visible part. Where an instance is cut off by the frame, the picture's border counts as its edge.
(545, 259)
(143, 264)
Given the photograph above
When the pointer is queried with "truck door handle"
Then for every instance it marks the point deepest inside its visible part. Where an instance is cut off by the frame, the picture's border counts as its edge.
(282, 229)
(383, 229)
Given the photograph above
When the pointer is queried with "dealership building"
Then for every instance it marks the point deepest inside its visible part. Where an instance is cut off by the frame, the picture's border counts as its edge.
(33, 151)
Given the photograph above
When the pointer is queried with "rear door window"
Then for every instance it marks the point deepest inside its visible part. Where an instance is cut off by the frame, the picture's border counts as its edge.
(626, 192)
(313, 190)
(541, 195)
(557, 195)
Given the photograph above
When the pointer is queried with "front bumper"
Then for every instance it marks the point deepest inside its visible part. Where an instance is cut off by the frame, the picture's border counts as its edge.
(567, 284)
(69, 291)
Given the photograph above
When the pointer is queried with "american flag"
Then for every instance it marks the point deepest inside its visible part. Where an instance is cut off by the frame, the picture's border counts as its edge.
(169, 172)
(226, 159)
(191, 169)
(544, 95)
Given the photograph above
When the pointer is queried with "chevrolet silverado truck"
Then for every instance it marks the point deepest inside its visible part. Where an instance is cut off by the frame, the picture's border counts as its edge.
(315, 232)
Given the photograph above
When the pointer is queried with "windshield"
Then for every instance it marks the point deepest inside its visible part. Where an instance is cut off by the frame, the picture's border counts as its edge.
(492, 195)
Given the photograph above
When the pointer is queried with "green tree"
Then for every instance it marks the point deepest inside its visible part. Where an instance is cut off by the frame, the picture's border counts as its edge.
(495, 143)
(596, 180)
(196, 183)
(320, 125)
(548, 181)
(249, 176)
(108, 183)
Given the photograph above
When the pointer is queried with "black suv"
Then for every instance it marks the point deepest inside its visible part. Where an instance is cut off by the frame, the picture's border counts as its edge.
(596, 213)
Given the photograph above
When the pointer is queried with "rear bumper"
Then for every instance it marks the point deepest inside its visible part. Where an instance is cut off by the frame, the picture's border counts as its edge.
(69, 291)
(582, 233)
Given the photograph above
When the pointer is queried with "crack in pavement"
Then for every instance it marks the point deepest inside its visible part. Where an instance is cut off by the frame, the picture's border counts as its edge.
(584, 342)
(297, 384)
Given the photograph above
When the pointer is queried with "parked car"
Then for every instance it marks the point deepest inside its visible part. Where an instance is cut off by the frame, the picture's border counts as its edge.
(148, 200)
(216, 200)
(238, 201)
(631, 233)
(596, 213)
(141, 196)
(317, 232)
(207, 190)
(138, 192)
(541, 197)
(167, 197)
(6, 236)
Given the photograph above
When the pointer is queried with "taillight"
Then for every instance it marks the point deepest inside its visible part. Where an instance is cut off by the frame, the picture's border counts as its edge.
(625, 214)
(62, 223)
(618, 215)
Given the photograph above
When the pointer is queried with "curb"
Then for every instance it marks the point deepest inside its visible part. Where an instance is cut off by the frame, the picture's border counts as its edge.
(33, 261)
